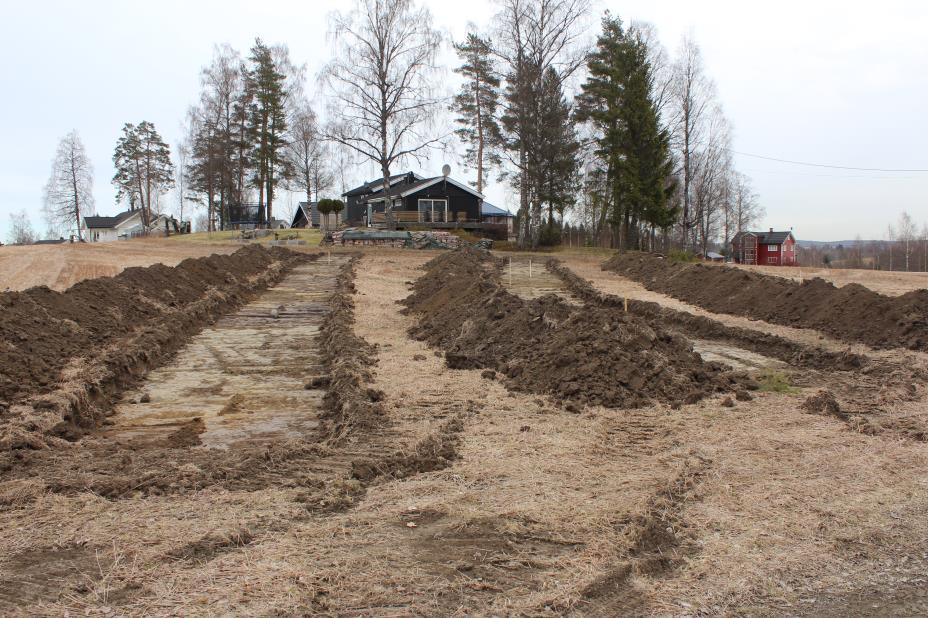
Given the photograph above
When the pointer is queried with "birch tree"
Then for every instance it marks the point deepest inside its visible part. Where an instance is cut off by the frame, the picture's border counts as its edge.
(382, 84)
(21, 231)
(691, 95)
(908, 235)
(307, 155)
(69, 191)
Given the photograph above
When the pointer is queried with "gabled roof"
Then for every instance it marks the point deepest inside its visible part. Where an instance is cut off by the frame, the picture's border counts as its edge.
(489, 210)
(95, 222)
(377, 184)
(425, 184)
(766, 238)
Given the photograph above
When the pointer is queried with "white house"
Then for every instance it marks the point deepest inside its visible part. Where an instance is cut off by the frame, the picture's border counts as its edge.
(125, 225)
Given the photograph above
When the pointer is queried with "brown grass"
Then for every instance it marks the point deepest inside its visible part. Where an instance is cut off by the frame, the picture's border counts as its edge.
(770, 510)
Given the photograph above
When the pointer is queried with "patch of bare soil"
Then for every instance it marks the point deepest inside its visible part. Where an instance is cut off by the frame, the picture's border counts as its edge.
(546, 346)
(64, 355)
(851, 313)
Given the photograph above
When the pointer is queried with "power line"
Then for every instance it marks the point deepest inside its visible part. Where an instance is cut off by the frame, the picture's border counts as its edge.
(801, 175)
(834, 167)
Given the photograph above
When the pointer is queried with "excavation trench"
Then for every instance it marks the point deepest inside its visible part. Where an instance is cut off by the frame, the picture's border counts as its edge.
(242, 378)
(873, 392)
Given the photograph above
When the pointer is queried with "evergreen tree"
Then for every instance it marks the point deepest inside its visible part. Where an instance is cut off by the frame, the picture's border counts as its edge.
(267, 124)
(143, 167)
(558, 149)
(633, 148)
(476, 106)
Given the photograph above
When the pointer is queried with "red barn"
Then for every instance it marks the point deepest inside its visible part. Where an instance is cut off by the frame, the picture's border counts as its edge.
(764, 248)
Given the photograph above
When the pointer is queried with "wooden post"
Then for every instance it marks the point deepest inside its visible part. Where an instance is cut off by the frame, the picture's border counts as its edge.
(530, 268)
(625, 302)
(510, 272)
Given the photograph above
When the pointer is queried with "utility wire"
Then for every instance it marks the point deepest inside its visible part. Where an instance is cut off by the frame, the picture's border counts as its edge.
(834, 167)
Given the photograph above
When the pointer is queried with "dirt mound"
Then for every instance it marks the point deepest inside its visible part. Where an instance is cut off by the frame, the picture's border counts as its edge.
(849, 313)
(349, 403)
(701, 327)
(590, 355)
(63, 354)
(823, 403)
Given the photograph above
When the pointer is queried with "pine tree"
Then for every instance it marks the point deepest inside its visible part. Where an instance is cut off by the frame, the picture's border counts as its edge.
(143, 167)
(633, 148)
(476, 106)
(267, 124)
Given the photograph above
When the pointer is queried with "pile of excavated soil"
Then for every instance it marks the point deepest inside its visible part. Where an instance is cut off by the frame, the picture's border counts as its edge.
(591, 355)
(701, 327)
(63, 354)
(349, 403)
(849, 313)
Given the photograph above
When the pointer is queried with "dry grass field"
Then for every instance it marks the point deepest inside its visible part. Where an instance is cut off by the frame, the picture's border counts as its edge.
(718, 507)
(890, 283)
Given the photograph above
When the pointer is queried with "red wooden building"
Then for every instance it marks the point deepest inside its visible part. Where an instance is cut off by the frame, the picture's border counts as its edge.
(764, 248)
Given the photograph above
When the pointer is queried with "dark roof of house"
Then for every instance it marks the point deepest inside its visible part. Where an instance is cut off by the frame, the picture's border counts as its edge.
(766, 238)
(50, 241)
(107, 222)
(489, 210)
(376, 185)
(424, 183)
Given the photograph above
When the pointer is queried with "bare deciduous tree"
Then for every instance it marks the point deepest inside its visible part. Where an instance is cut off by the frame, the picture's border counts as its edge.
(21, 232)
(381, 83)
(908, 235)
(69, 191)
(692, 94)
(307, 155)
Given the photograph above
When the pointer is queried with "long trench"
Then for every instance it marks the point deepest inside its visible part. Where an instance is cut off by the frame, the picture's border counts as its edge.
(243, 377)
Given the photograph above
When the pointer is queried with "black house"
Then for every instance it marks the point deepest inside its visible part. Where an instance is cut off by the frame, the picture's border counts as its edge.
(438, 202)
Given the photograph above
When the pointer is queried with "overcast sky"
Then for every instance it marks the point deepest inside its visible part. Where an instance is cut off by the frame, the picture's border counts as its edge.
(823, 82)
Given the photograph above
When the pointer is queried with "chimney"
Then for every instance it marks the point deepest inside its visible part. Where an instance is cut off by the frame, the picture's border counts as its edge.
(771, 230)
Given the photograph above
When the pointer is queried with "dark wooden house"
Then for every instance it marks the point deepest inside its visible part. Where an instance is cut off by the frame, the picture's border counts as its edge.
(416, 200)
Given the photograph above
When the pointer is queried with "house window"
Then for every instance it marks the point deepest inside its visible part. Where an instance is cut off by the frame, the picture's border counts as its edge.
(771, 260)
(433, 210)
(773, 247)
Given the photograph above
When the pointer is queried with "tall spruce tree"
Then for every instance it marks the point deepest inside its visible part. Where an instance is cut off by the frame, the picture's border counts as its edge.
(632, 147)
(267, 124)
(476, 106)
(143, 167)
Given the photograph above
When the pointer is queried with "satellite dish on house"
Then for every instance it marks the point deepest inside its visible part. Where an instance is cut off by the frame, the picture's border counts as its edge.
(445, 170)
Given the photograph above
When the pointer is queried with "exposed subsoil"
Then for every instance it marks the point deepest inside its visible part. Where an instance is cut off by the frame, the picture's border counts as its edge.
(64, 355)
(850, 313)
(870, 387)
(546, 346)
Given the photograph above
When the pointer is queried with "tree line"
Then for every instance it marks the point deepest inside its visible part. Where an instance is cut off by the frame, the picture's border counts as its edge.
(607, 135)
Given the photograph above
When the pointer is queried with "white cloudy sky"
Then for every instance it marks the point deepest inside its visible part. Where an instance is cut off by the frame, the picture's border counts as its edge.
(825, 82)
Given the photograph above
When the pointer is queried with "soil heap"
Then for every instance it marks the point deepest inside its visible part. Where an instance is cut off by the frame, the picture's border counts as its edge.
(850, 313)
(589, 355)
